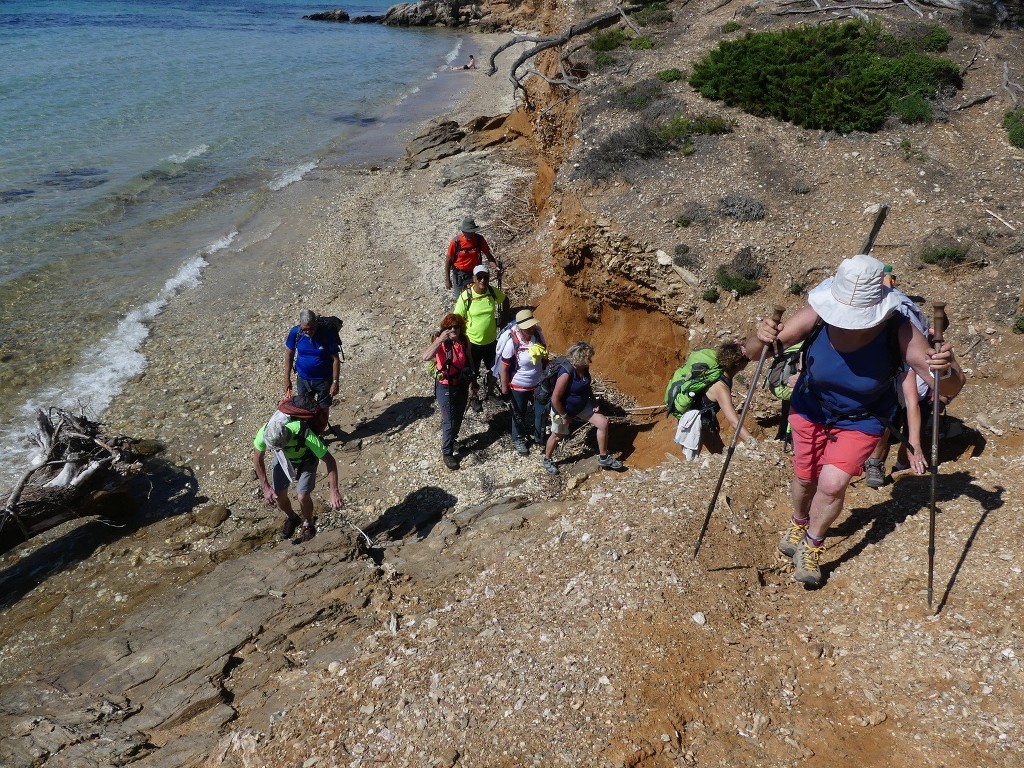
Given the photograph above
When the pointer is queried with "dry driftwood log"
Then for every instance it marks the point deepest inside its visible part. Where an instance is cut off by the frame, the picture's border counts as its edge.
(79, 463)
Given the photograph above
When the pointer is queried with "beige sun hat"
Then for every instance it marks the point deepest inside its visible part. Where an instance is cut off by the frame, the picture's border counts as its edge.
(856, 298)
(525, 319)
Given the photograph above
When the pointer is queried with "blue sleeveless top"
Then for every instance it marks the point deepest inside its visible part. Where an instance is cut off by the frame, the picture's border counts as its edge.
(579, 393)
(849, 391)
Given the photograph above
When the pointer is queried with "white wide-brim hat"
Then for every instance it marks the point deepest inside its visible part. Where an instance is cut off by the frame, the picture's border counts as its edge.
(856, 298)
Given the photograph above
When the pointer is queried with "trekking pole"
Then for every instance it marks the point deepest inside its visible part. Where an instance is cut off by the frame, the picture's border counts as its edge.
(776, 317)
(938, 320)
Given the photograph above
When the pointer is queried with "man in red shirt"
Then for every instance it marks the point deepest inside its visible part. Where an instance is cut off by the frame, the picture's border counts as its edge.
(467, 250)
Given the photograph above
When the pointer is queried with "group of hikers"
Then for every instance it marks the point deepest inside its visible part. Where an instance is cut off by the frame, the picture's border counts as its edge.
(854, 367)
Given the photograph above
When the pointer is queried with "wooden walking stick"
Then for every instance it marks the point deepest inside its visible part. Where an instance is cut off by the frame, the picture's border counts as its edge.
(776, 317)
(938, 321)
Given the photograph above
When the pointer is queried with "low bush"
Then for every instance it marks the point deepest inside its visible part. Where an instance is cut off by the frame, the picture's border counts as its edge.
(745, 264)
(840, 76)
(643, 43)
(670, 75)
(1013, 122)
(608, 41)
(602, 60)
(741, 286)
(680, 129)
(1018, 324)
(711, 295)
(653, 15)
(944, 256)
(795, 288)
(936, 39)
(622, 150)
(730, 26)
(913, 108)
(741, 208)
(682, 256)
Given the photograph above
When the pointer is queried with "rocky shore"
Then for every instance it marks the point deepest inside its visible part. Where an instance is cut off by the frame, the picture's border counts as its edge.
(495, 616)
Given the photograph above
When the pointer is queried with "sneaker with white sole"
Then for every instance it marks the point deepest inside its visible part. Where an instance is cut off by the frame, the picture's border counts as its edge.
(790, 539)
(522, 448)
(549, 465)
(806, 564)
(609, 462)
(874, 473)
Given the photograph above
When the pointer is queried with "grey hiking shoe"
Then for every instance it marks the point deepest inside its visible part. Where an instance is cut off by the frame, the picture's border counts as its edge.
(609, 462)
(874, 473)
(790, 539)
(522, 448)
(549, 465)
(806, 566)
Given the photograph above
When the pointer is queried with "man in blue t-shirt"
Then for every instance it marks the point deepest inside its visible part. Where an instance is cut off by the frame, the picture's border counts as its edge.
(312, 350)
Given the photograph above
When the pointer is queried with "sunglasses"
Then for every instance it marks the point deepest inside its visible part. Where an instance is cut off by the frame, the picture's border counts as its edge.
(483, 277)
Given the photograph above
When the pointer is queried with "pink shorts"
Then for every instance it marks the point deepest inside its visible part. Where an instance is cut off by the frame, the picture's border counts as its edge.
(812, 448)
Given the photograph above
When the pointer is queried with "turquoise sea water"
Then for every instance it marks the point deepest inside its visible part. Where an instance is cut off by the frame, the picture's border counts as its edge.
(134, 136)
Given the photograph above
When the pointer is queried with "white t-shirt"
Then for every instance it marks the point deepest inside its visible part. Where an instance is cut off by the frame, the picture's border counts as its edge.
(527, 373)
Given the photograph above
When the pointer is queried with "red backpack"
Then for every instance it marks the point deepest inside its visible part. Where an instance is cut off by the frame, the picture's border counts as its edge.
(306, 410)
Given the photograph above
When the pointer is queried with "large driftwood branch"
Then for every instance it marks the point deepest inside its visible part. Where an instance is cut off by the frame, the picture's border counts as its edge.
(842, 8)
(79, 461)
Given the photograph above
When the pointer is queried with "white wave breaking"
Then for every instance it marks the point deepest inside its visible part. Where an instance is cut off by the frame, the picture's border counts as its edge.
(290, 177)
(195, 152)
(105, 368)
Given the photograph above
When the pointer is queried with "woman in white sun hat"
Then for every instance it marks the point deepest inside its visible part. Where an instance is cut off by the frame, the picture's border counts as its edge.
(856, 343)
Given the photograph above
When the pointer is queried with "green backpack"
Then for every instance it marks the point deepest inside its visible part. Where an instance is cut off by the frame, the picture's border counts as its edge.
(691, 380)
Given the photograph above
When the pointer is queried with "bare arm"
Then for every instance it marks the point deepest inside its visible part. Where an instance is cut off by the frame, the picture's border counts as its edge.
(926, 360)
(795, 328)
(722, 395)
(261, 474)
(558, 394)
(289, 358)
(449, 335)
(336, 371)
(909, 384)
(332, 481)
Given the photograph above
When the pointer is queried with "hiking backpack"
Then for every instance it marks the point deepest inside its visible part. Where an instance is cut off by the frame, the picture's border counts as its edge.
(542, 394)
(306, 410)
(784, 366)
(331, 324)
(509, 333)
(691, 380)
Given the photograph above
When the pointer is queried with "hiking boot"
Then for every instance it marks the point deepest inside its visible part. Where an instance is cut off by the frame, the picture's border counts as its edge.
(290, 524)
(476, 405)
(874, 473)
(805, 564)
(791, 538)
(609, 462)
(549, 465)
(307, 532)
(521, 448)
(450, 461)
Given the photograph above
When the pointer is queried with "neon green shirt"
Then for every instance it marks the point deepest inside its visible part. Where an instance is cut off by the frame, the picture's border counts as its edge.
(295, 451)
(481, 324)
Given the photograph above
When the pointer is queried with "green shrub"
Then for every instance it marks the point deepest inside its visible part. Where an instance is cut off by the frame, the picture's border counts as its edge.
(652, 15)
(936, 39)
(914, 108)
(737, 284)
(683, 257)
(608, 41)
(602, 60)
(711, 295)
(842, 77)
(683, 220)
(622, 151)
(1017, 247)
(643, 43)
(1018, 324)
(680, 129)
(1013, 122)
(795, 288)
(730, 26)
(670, 75)
(944, 256)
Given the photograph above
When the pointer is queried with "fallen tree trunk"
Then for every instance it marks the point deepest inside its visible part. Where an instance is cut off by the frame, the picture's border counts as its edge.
(79, 463)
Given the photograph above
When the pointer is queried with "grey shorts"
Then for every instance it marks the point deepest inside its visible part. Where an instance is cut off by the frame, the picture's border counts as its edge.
(306, 476)
(562, 427)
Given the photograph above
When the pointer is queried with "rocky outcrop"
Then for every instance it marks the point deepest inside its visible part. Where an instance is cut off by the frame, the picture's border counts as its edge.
(336, 15)
(444, 13)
